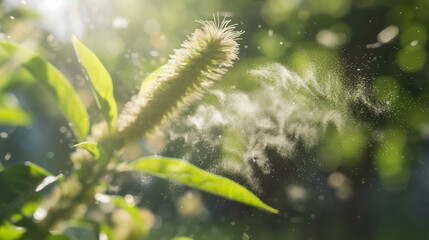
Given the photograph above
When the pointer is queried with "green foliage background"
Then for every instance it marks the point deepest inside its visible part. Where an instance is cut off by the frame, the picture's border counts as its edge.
(384, 160)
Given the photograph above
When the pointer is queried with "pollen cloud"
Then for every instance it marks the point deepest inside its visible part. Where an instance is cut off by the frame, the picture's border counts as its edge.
(286, 110)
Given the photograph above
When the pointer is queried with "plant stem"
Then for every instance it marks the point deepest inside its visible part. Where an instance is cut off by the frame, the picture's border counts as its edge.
(56, 214)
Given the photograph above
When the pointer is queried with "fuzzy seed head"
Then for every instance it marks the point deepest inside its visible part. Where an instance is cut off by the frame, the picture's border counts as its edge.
(201, 60)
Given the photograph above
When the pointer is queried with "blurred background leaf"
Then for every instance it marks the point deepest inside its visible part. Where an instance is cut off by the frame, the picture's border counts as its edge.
(18, 184)
(54, 82)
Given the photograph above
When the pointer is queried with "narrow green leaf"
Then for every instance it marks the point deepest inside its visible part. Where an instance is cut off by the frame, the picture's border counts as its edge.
(188, 174)
(17, 185)
(90, 147)
(100, 80)
(14, 116)
(55, 83)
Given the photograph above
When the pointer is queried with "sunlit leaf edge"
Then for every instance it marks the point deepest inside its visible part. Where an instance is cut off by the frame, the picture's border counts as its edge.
(100, 80)
(14, 116)
(90, 147)
(190, 175)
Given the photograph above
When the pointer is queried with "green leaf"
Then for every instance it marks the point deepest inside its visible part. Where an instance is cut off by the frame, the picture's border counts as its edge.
(32, 229)
(91, 148)
(150, 78)
(105, 229)
(188, 174)
(11, 114)
(18, 184)
(10, 232)
(95, 150)
(100, 80)
(14, 77)
(14, 116)
(55, 83)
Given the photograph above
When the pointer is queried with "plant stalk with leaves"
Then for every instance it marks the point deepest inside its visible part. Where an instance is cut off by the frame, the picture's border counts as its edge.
(202, 59)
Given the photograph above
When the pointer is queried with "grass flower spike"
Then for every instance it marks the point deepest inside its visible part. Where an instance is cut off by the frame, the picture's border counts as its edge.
(203, 59)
